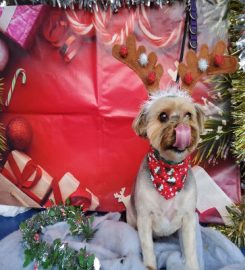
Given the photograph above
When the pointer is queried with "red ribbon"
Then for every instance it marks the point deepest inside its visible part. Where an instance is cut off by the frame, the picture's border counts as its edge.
(22, 179)
(81, 197)
(77, 198)
(56, 192)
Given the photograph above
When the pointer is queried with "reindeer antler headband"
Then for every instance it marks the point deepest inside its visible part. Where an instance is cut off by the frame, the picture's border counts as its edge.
(146, 67)
(206, 64)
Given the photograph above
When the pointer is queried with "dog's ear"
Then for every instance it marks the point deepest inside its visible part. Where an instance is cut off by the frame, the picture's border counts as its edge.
(139, 123)
(200, 117)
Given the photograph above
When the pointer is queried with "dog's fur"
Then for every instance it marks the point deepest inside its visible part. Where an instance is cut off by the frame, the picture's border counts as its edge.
(151, 213)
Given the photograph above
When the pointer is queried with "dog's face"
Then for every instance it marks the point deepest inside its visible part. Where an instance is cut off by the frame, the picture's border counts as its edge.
(159, 119)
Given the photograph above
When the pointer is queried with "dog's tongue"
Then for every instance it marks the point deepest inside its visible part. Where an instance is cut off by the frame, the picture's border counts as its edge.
(183, 136)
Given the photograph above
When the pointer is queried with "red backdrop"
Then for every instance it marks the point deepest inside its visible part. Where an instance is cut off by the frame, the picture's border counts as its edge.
(81, 111)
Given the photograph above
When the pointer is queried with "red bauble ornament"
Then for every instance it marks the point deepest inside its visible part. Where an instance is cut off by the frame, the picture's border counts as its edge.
(151, 78)
(19, 133)
(123, 51)
(36, 237)
(218, 60)
(4, 55)
(36, 266)
(188, 78)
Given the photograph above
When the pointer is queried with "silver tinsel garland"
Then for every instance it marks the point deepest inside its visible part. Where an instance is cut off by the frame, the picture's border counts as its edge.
(241, 41)
(91, 5)
(241, 46)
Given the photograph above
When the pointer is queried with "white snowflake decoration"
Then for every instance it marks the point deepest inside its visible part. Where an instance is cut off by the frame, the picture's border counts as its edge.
(143, 59)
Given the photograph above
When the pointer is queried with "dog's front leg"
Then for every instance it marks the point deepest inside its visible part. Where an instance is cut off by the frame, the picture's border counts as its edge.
(144, 225)
(188, 235)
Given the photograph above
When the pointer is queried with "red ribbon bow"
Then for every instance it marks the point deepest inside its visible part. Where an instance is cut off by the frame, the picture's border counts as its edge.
(81, 197)
(77, 198)
(57, 31)
(22, 179)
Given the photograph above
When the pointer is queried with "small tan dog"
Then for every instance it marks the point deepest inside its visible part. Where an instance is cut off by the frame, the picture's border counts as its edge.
(164, 199)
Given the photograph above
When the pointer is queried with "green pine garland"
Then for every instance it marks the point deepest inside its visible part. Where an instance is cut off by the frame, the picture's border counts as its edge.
(226, 131)
(235, 84)
(58, 254)
(216, 140)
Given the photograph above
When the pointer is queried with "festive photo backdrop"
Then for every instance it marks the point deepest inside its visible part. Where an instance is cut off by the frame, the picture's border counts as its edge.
(68, 104)
(73, 76)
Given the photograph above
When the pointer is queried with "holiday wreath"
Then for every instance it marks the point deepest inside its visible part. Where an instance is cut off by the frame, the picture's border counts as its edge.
(57, 254)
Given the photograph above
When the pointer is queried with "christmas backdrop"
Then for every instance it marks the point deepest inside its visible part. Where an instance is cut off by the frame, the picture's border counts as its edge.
(69, 104)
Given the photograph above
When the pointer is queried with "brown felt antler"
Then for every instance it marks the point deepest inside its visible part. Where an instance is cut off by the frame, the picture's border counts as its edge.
(149, 71)
(206, 64)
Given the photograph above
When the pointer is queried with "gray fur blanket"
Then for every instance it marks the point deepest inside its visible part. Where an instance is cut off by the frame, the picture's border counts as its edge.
(117, 246)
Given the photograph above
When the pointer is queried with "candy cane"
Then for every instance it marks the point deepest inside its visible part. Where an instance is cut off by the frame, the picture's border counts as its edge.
(159, 41)
(11, 90)
(100, 21)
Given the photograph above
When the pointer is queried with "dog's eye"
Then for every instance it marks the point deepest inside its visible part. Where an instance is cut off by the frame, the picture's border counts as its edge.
(163, 117)
(188, 114)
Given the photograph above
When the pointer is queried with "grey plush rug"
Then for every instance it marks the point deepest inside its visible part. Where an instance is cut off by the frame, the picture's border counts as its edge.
(117, 246)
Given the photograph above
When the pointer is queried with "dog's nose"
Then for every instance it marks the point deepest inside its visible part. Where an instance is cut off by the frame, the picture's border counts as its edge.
(174, 118)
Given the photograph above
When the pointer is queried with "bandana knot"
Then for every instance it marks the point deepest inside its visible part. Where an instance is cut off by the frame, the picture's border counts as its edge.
(168, 179)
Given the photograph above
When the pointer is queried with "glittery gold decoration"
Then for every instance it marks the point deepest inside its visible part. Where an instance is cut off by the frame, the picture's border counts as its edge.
(236, 26)
(236, 232)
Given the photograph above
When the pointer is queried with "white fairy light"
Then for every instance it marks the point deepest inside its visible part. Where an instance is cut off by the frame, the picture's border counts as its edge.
(220, 129)
(224, 122)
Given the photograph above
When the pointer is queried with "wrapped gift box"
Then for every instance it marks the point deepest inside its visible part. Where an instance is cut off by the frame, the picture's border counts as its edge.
(69, 188)
(24, 183)
(21, 175)
(12, 195)
(20, 23)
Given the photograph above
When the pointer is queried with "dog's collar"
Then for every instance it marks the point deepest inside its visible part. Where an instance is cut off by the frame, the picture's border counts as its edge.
(168, 179)
(159, 157)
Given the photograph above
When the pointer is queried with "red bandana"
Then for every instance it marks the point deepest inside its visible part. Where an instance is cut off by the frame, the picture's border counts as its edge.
(168, 179)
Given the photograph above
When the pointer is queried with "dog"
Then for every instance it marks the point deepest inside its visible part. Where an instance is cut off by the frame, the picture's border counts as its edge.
(160, 206)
